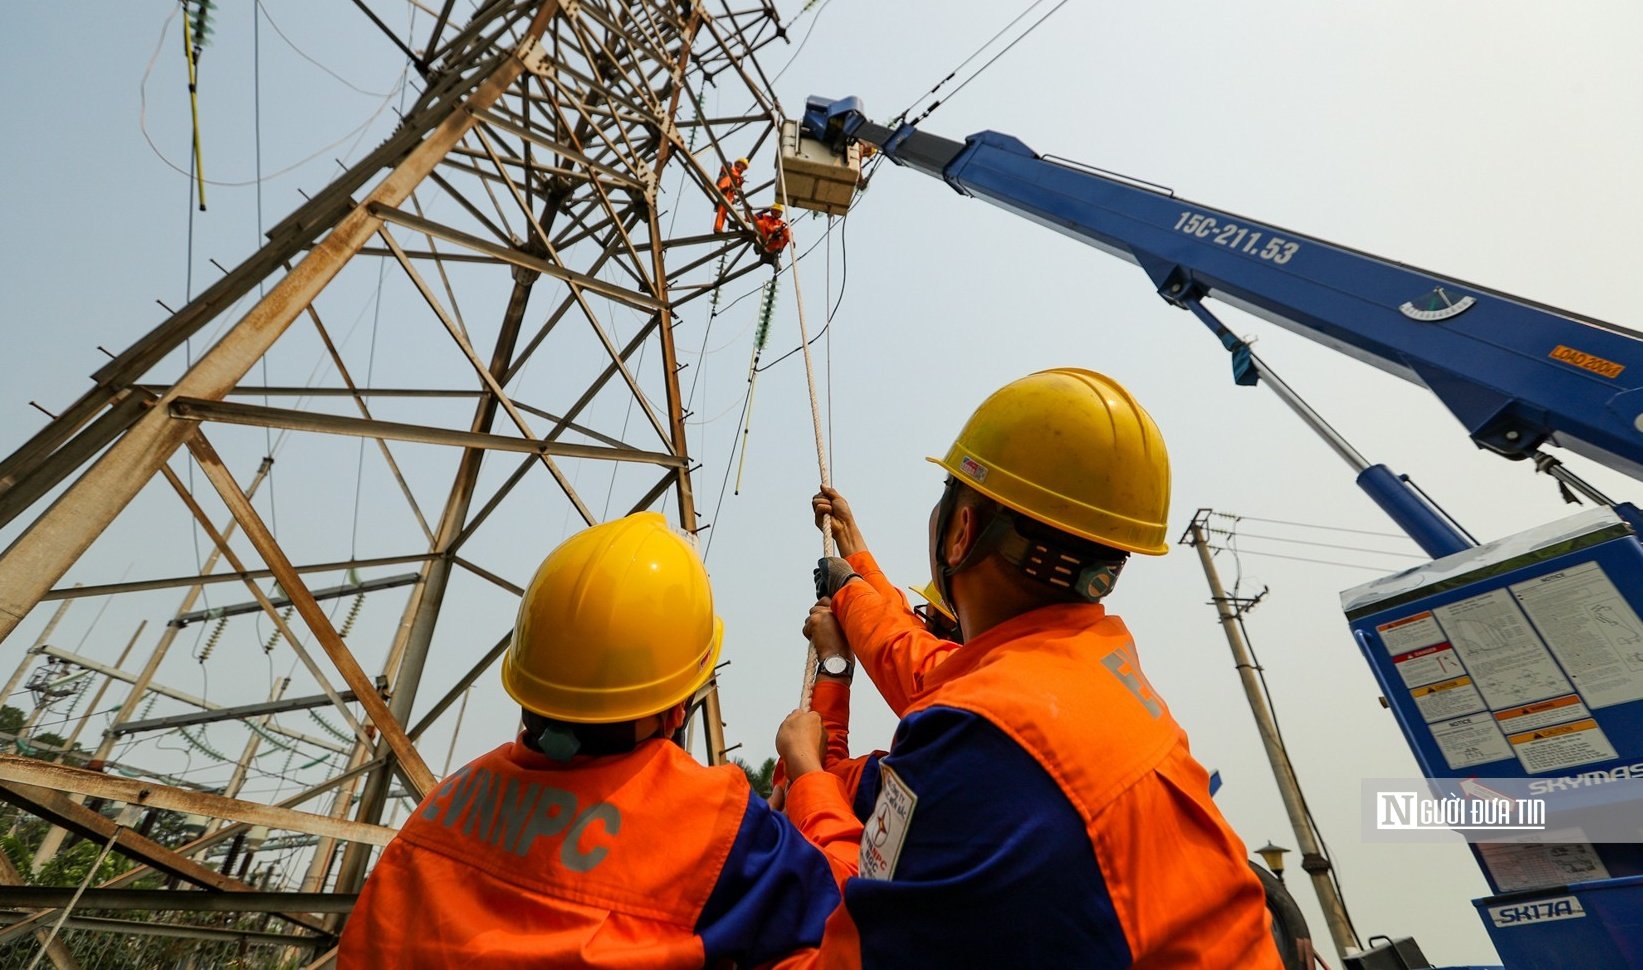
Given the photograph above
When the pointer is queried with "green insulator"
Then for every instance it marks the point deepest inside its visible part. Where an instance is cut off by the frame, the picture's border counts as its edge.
(718, 274)
(202, 22)
(199, 745)
(329, 728)
(274, 638)
(767, 309)
(353, 615)
(211, 641)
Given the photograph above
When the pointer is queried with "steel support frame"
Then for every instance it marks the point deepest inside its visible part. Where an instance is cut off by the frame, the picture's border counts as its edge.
(568, 158)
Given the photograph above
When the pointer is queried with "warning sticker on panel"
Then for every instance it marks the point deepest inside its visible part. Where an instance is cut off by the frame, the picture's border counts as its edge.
(1447, 699)
(1410, 633)
(1531, 716)
(1472, 740)
(1562, 746)
(1592, 630)
(1504, 655)
(1428, 664)
(1531, 865)
(887, 828)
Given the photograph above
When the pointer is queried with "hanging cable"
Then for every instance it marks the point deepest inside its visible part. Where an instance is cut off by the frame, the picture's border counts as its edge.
(256, 128)
(767, 308)
(1320, 562)
(983, 68)
(1311, 525)
(189, 172)
(1324, 545)
(307, 57)
(973, 55)
(806, 39)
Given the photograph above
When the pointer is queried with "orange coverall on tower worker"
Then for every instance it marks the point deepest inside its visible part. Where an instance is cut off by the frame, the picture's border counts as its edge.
(593, 840)
(730, 186)
(774, 234)
(1038, 806)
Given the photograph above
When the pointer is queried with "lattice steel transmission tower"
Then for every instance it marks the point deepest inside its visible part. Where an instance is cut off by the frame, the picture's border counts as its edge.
(546, 203)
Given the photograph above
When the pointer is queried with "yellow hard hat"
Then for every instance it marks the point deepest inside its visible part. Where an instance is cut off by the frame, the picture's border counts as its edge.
(742, 162)
(1072, 449)
(616, 624)
(777, 207)
(933, 597)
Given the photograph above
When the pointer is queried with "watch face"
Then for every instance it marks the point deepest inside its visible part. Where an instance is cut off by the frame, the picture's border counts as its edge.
(835, 666)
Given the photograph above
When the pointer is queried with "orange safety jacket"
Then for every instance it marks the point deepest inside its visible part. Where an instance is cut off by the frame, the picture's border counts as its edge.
(773, 231)
(638, 860)
(896, 666)
(903, 651)
(1037, 777)
(730, 183)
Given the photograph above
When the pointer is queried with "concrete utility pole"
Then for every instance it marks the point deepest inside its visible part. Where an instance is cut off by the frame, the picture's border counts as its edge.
(1289, 787)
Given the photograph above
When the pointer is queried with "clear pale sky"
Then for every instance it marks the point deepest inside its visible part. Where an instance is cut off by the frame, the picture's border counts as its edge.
(1493, 142)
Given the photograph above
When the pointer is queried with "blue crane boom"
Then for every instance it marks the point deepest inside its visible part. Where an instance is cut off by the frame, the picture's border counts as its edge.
(1517, 374)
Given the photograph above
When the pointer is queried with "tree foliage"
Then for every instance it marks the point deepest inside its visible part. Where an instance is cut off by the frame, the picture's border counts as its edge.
(761, 779)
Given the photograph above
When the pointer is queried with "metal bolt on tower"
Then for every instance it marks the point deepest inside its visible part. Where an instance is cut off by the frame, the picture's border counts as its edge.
(544, 209)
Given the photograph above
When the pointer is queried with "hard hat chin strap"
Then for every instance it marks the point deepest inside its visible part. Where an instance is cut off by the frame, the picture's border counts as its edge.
(992, 531)
(944, 573)
(1089, 577)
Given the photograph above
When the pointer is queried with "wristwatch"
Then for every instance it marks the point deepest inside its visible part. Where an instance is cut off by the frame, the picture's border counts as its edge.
(838, 665)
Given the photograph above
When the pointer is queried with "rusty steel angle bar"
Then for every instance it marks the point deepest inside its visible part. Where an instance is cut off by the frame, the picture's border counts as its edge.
(60, 810)
(252, 415)
(20, 770)
(54, 541)
(420, 779)
(172, 582)
(198, 446)
(485, 375)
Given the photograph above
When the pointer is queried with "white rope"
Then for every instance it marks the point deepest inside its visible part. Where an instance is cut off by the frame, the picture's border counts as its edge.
(828, 549)
(127, 816)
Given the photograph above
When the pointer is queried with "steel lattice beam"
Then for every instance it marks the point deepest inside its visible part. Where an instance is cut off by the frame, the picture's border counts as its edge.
(551, 141)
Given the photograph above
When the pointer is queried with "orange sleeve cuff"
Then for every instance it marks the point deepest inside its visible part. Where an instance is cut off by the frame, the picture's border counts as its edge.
(831, 699)
(816, 799)
(863, 562)
(819, 809)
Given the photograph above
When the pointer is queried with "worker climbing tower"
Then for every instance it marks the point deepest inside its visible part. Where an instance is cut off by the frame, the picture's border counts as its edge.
(546, 206)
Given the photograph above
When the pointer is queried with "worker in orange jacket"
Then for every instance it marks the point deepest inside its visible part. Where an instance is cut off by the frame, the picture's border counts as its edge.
(830, 699)
(1036, 777)
(730, 186)
(774, 235)
(593, 839)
